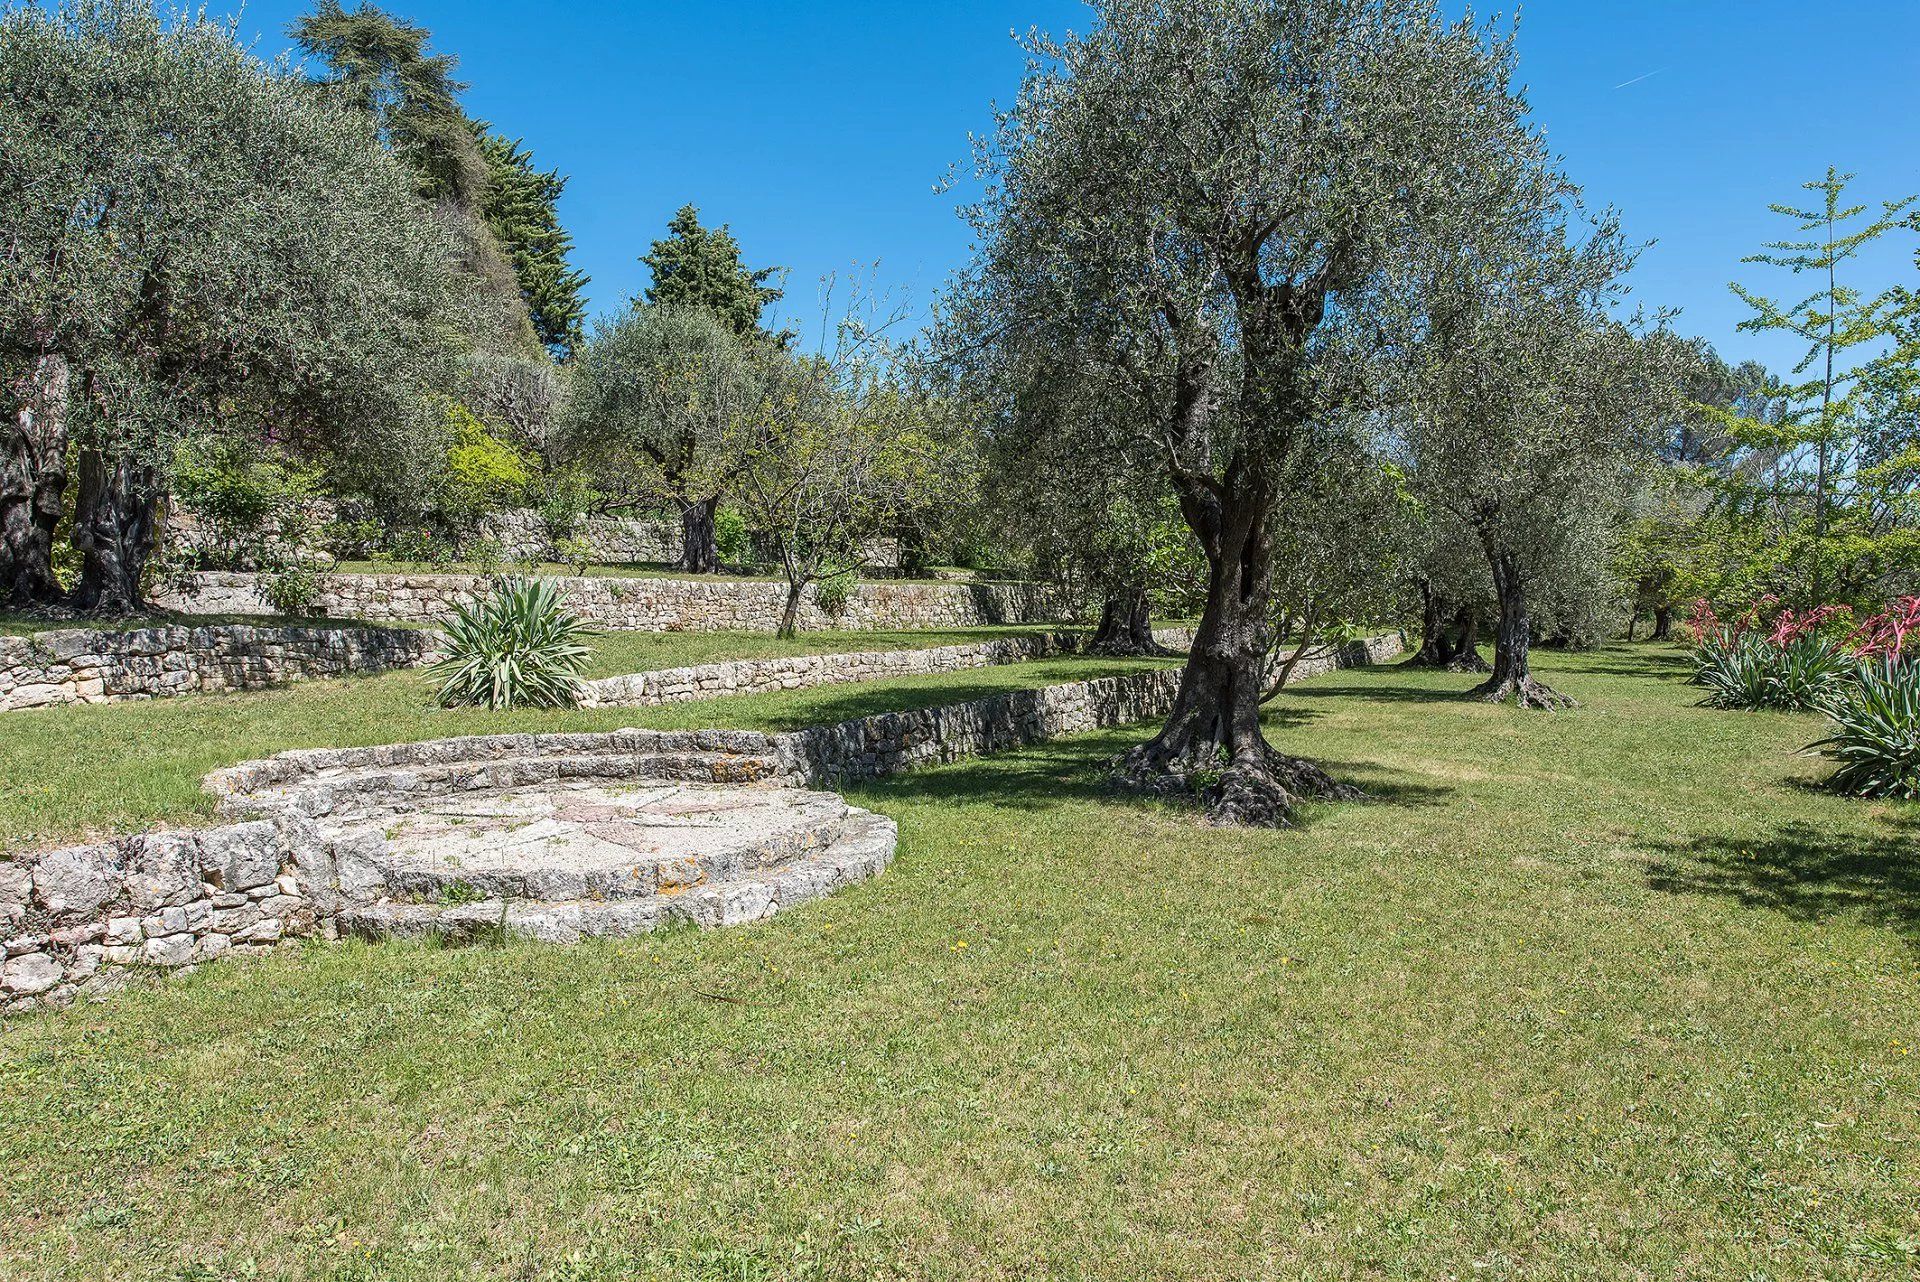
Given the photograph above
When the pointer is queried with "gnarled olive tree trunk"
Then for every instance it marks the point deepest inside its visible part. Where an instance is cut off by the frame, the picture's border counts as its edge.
(1211, 745)
(1126, 625)
(1512, 677)
(33, 480)
(1463, 646)
(1436, 645)
(114, 529)
(699, 550)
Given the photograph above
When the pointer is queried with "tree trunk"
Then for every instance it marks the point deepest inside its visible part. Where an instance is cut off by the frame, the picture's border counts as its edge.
(1211, 747)
(790, 616)
(113, 527)
(33, 481)
(699, 552)
(1512, 677)
(1435, 648)
(1126, 625)
(1663, 623)
(1463, 647)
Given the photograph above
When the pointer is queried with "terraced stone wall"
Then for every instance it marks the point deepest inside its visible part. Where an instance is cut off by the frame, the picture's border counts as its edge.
(648, 604)
(85, 666)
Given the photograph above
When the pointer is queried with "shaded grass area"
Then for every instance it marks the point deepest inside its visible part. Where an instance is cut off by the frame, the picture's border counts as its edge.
(1608, 994)
(74, 771)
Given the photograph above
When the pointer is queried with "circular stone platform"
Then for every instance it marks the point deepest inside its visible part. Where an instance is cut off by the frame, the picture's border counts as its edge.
(573, 858)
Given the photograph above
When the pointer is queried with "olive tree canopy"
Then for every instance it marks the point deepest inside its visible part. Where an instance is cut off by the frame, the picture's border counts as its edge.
(190, 241)
(659, 394)
(1196, 193)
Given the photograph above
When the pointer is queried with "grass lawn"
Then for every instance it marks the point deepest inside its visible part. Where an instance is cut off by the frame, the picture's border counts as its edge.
(1608, 994)
(74, 771)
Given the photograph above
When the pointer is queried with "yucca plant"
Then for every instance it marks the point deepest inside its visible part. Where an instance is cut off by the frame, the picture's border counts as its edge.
(1876, 737)
(513, 648)
(1737, 670)
(1808, 671)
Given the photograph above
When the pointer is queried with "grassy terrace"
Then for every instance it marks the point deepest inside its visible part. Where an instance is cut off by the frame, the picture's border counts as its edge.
(1607, 994)
(73, 771)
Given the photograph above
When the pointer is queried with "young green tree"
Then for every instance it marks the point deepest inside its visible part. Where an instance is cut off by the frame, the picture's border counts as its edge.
(1194, 192)
(839, 450)
(156, 286)
(660, 396)
(1846, 331)
(701, 267)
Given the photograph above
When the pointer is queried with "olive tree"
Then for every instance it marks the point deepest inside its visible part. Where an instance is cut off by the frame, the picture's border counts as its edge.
(191, 243)
(1528, 405)
(837, 453)
(1195, 192)
(659, 395)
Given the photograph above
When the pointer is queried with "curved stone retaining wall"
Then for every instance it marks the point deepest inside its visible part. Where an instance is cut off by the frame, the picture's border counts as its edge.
(648, 604)
(84, 666)
(72, 920)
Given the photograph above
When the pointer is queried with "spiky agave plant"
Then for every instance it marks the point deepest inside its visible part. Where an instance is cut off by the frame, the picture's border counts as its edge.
(1737, 670)
(513, 648)
(1876, 731)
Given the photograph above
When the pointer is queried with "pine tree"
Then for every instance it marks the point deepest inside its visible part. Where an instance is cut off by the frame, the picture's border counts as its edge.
(522, 209)
(701, 266)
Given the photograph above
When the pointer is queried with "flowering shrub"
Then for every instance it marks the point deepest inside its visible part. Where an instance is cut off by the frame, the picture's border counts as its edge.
(1864, 674)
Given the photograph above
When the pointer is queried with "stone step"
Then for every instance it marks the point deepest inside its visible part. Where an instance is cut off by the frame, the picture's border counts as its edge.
(581, 839)
(863, 848)
(344, 795)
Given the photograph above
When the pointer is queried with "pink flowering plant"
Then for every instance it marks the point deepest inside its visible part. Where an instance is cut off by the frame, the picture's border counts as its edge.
(1863, 673)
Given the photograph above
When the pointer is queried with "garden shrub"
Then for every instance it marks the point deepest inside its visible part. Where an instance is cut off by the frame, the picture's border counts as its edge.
(733, 538)
(294, 588)
(516, 647)
(1876, 730)
(250, 503)
(484, 473)
(833, 593)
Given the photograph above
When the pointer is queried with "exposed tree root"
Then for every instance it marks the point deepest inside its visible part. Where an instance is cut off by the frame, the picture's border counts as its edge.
(1126, 647)
(1260, 790)
(1468, 661)
(1523, 692)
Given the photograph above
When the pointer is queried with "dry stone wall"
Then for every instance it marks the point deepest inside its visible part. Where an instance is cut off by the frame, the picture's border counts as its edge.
(761, 676)
(74, 920)
(85, 666)
(647, 604)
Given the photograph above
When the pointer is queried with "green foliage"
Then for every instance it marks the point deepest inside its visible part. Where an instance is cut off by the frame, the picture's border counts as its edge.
(293, 588)
(575, 553)
(695, 266)
(380, 65)
(833, 593)
(1876, 731)
(484, 473)
(658, 396)
(733, 536)
(249, 502)
(149, 257)
(516, 647)
(521, 206)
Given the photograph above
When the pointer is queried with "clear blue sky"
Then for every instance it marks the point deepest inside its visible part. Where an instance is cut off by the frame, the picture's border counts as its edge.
(819, 130)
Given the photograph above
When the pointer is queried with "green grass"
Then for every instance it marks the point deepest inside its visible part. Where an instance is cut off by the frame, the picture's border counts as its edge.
(1609, 994)
(73, 772)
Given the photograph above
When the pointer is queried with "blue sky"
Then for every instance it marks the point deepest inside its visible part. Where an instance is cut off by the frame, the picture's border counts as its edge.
(820, 130)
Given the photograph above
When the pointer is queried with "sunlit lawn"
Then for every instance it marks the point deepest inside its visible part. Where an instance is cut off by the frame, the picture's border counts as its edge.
(1610, 994)
(103, 768)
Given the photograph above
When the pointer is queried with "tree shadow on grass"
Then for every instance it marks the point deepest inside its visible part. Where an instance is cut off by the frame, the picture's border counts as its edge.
(1055, 773)
(1383, 693)
(1660, 666)
(1808, 873)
